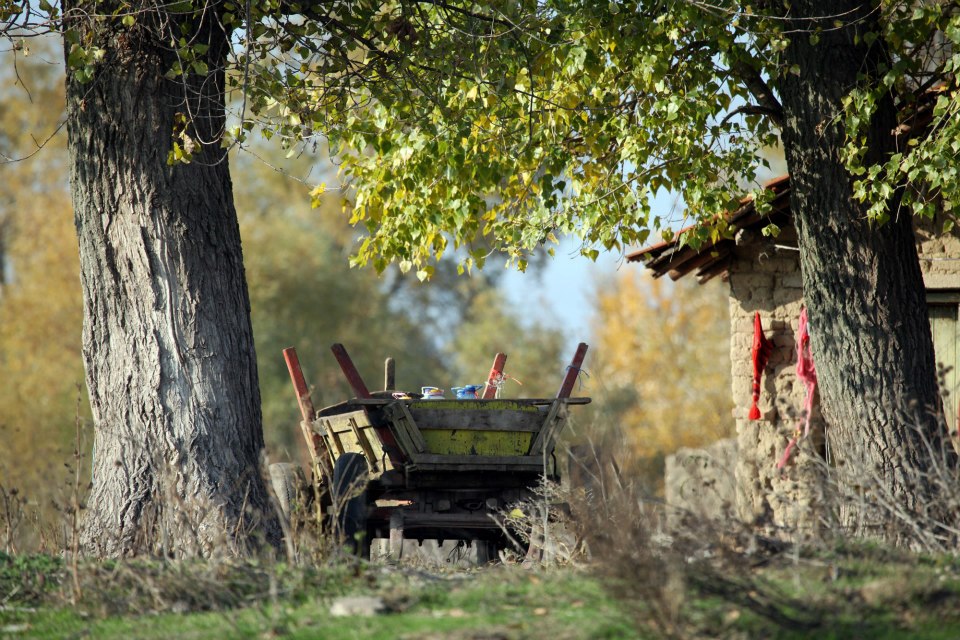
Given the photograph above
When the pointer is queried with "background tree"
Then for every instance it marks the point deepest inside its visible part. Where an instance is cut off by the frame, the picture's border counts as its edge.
(661, 368)
(40, 310)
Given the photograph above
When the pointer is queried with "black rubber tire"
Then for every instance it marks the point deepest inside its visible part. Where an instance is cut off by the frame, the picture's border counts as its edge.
(488, 551)
(350, 502)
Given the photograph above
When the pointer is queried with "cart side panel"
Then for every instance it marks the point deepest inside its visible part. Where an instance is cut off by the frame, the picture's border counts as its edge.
(485, 443)
(498, 428)
(353, 432)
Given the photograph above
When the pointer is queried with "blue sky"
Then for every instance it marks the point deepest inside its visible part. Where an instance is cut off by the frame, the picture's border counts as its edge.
(560, 295)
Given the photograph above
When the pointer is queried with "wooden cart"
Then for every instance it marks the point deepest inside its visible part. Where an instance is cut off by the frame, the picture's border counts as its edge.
(395, 466)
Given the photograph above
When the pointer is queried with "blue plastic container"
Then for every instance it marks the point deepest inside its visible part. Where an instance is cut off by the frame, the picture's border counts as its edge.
(468, 392)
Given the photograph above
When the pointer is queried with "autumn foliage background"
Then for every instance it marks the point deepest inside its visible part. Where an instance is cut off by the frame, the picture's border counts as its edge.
(658, 368)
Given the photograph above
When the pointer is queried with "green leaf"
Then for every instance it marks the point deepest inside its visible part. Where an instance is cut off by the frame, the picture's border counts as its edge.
(771, 231)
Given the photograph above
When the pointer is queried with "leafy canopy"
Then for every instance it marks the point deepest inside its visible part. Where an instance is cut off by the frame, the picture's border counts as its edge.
(517, 122)
(496, 127)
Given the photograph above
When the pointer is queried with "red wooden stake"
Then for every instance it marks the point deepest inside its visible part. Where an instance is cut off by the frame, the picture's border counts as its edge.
(496, 373)
(349, 371)
(316, 447)
(573, 371)
(299, 384)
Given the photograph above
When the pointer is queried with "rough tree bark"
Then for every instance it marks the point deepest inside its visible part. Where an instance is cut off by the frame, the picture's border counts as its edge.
(167, 340)
(862, 282)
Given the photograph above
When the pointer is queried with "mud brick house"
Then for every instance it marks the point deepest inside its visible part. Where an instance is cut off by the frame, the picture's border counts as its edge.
(763, 274)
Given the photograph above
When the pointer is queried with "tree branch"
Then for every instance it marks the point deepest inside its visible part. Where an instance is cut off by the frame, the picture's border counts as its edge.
(465, 12)
(760, 90)
(753, 110)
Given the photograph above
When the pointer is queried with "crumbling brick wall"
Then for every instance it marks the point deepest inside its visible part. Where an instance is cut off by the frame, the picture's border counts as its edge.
(939, 254)
(700, 482)
(765, 278)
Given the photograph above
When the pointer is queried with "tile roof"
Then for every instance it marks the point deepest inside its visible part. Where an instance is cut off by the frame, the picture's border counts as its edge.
(678, 259)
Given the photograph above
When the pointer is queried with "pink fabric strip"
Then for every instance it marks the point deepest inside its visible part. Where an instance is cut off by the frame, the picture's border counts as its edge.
(786, 453)
(805, 368)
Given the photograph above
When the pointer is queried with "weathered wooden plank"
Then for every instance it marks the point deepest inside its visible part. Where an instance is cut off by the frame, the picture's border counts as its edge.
(573, 371)
(513, 402)
(350, 371)
(319, 430)
(416, 520)
(410, 428)
(364, 443)
(341, 422)
(483, 443)
(476, 405)
(402, 432)
(556, 419)
(316, 447)
(299, 384)
(468, 462)
(334, 437)
(389, 374)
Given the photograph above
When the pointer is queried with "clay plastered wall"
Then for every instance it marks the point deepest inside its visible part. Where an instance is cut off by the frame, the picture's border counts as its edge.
(700, 482)
(766, 279)
(939, 254)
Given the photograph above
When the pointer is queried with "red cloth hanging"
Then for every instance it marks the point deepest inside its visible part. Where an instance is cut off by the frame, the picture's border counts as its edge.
(760, 354)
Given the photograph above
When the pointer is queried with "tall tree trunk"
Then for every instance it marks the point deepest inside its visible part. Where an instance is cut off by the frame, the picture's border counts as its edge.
(862, 281)
(167, 339)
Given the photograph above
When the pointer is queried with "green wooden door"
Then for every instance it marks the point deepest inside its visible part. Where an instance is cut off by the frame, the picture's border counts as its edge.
(945, 325)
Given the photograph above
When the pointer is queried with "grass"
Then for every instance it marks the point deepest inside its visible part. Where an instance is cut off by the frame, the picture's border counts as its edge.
(647, 578)
(857, 591)
(853, 591)
(498, 602)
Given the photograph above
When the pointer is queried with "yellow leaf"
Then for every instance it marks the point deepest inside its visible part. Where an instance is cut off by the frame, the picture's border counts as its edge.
(315, 194)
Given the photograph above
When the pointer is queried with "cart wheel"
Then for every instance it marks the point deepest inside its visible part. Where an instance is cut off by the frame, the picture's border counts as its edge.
(487, 551)
(283, 479)
(350, 502)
